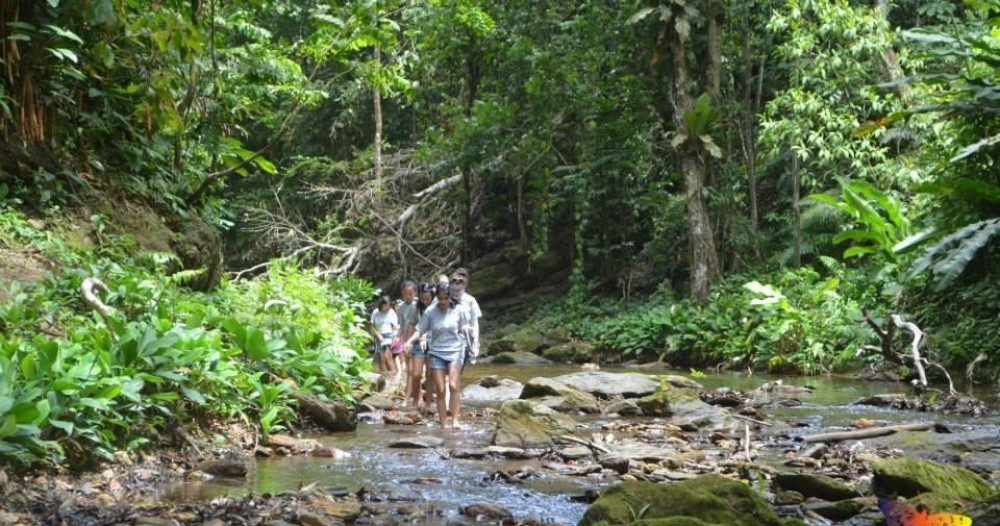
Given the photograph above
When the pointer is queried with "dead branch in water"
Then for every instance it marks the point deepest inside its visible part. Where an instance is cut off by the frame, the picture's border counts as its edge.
(890, 354)
(871, 432)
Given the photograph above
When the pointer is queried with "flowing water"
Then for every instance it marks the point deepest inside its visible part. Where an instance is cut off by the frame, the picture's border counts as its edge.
(433, 487)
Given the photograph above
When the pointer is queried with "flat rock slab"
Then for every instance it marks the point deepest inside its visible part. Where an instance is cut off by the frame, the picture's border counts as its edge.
(418, 442)
(610, 385)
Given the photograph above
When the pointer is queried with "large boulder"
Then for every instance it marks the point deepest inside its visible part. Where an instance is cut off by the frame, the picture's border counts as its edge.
(610, 385)
(527, 424)
(908, 477)
(710, 499)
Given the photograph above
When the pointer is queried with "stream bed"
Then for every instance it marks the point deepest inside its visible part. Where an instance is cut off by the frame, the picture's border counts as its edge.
(431, 487)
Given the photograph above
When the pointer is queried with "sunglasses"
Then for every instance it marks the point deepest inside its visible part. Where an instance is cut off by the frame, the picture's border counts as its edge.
(457, 281)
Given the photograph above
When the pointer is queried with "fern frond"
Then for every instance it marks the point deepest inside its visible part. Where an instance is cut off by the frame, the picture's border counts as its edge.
(821, 217)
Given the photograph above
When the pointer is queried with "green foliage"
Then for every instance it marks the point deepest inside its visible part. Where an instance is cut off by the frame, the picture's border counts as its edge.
(802, 323)
(85, 389)
(882, 223)
(948, 258)
(833, 51)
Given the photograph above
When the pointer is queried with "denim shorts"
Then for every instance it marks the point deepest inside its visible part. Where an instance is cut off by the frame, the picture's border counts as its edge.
(439, 364)
(417, 352)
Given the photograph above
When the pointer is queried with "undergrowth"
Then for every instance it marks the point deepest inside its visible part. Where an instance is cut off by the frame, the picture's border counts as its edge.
(75, 387)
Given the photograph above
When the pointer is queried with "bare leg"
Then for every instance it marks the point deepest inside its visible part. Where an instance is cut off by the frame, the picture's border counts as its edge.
(386, 361)
(440, 386)
(413, 381)
(454, 384)
(429, 388)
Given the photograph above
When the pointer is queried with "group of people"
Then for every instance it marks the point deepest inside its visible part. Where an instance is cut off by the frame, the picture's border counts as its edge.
(434, 327)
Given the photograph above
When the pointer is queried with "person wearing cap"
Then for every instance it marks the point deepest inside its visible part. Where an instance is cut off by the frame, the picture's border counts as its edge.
(459, 282)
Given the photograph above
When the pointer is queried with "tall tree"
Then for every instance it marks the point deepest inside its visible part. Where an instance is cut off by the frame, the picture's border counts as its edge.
(691, 124)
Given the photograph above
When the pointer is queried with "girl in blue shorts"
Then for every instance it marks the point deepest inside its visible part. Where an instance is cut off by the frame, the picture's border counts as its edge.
(445, 324)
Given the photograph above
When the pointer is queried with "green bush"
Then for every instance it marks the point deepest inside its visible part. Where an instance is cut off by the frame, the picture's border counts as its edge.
(76, 387)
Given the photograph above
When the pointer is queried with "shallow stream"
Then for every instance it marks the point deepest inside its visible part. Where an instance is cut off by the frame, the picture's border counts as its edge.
(433, 487)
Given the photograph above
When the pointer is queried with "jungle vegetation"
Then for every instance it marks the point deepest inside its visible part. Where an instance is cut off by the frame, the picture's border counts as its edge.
(736, 183)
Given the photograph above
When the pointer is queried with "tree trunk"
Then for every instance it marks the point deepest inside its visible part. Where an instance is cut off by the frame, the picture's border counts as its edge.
(377, 162)
(471, 91)
(748, 136)
(797, 224)
(704, 258)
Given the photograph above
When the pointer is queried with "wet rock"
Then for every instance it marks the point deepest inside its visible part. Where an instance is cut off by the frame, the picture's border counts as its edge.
(542, 386)
(524, 339)
(515, 453)
(520, 358)
(377, 401)
(908, 477)
(492, 389)
(575, 452)
(814, 485)
(312, 519)
(709, 499)
(527, 424)
(399, 419)
(285, 441)
(332, 416)
(836, 511)
(418, 442)
(607, 385)
(789, 497)
(570, 352)
(487, 511)
(223, 468)
(816, 451)
(329, 452)
(623, 408)
(155, 521)
(682, 382)
(344, 510)
(559, 396)
(686, 409)
(616, 463)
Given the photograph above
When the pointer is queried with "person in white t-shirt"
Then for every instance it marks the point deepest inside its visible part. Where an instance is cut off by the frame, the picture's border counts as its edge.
(384, 327)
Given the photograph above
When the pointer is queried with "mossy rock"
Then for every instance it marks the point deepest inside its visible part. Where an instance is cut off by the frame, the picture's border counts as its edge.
(663, 400)
(710, 499)
(908, 477)
(815, 485)
(527, 424)
(571, 352)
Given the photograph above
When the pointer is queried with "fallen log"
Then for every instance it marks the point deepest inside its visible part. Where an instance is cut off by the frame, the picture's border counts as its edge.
(871, 432)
